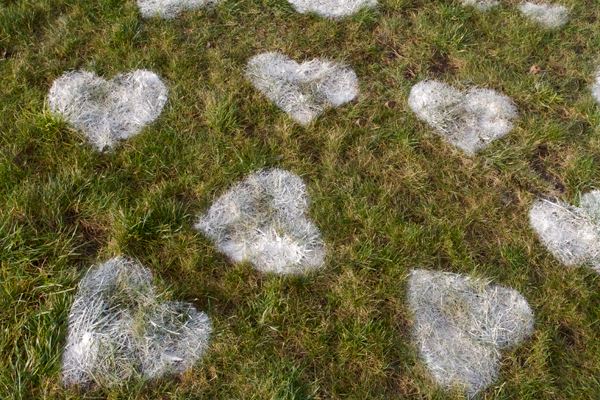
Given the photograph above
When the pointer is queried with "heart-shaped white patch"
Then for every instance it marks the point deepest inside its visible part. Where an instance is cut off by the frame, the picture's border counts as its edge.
(108, 111)
(482, 5)
(332, 8)
(470, 120)
(596, 87)
(548, 15)
(571, 234)
(168, 9)
(461, 323)
(120, 329)
(302, 90)
(263, 220)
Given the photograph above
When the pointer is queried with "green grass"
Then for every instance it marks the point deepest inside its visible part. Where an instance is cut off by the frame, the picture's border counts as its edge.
(388, 194)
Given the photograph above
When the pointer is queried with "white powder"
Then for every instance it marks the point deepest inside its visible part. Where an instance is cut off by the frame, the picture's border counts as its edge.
(108, 111)
(470, 120)
(461, 324)
(304, 90)
(263, 220)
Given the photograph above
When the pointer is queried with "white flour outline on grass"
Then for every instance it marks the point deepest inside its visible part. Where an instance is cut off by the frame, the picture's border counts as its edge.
(462, 323)
(108, 111)
(263, 220)
(470, 119)
(120, 329)
(571, 234)
(302, 90)
(551, 16)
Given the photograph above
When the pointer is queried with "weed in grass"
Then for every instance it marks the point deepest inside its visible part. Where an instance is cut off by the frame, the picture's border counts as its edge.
(332, 8)
(120, 330)
(263, 220)
(108, 111)
(572, 234)
(548, 15)
(470, 120)
(461, 323)
(302, 90)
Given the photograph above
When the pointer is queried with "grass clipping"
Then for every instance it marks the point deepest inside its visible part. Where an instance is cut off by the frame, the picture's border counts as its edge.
(108, 111)
(461, 323)
(169, 9)
(263, 220)
(469, 120)
(548, 15)
(120, 330)
(571, 234)
(332, 8)
(303, 90)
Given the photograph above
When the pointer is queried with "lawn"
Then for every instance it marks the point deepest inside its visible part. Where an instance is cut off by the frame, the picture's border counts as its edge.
(387, 193)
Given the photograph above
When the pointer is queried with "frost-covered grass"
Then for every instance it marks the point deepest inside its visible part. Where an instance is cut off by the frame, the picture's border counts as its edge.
(387, 193)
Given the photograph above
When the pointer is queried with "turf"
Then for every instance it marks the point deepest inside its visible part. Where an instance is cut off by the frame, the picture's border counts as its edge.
(387, 193)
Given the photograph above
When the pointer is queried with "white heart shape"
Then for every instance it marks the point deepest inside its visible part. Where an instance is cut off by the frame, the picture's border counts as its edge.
(571, 234)
(168, 9)
(481, 5)
(596, 87)
(302, 90)
(548, 15)
(118, 329)
(461, 323)
(332, 8)
(469, 120)
(263, 220)
(108, 111)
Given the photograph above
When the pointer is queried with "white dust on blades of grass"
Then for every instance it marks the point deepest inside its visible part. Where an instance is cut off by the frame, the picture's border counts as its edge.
(470, 120)
(262, 220)
(571, 234)
(462, 323)
(108, 111)
(168, 9)
(548, 15)
(303, 90)
(333, 9)
(482, 5)
(596, 87)
(120, 329)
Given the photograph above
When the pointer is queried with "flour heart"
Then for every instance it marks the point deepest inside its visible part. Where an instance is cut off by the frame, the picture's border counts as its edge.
(461, 323)
(118, 329)
(332, 8)
(263, 220)
(571, 234)
(482, 5)
(596, 87)
(302, 90)
(108, 111)
(168, 9)
(548, 15)
(469, 120)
